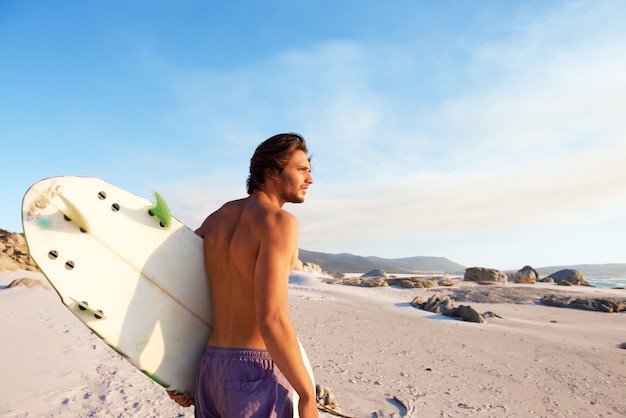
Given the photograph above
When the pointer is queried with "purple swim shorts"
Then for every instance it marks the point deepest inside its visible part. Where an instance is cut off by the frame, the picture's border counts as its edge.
(241, 382)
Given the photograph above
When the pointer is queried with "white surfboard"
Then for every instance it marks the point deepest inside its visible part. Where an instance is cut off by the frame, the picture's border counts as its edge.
(128, 270)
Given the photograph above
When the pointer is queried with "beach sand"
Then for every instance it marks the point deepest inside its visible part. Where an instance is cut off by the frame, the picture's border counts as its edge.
(378, 355)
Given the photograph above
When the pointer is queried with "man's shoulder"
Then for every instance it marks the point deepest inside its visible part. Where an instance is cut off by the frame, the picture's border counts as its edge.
(277, 222)
(226, 211)
(233, 204)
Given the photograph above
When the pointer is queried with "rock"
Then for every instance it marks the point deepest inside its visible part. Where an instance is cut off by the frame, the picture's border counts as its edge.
(483, 275)
(568, 277)
(298, 266)
(438, 304)
(490, 314)
(585, 303)
(378, 280)
(445, 306)
(417, 302)
(7, 263)
(312, 267)
(370, 282)
(404, 283)
(306, 266)
(446, 281)
(467, 313)
(526, 275)
(28, 282)
(375, 273)
(14, 252)
(359, 281)
(413, 282)
(326, 398)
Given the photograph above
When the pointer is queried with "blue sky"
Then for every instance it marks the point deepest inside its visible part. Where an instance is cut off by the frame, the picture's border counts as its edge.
(491, 133)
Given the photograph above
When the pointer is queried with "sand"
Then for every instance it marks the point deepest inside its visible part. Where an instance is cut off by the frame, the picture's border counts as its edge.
(378, 355)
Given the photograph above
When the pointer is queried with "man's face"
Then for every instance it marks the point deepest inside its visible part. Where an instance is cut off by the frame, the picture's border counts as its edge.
(296, 178)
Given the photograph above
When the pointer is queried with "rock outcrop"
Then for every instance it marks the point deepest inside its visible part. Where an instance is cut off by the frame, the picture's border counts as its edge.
(359, 281)
(421, 282)
(585, 303)
(568, 277)
(413, 283)
(14, 252)
(525, 275)
(445, 306)
(306, 266)
(482, 275)
(327, 399)
(375, 273)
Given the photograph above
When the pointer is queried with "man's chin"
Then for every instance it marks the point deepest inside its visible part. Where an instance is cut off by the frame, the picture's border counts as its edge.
(294, 198)
(297, 199)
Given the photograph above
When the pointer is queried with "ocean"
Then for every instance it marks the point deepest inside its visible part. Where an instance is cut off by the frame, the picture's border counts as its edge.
(597, 281)
(606, 282)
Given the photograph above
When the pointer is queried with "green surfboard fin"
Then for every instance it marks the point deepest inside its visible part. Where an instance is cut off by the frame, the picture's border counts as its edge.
(161, 210)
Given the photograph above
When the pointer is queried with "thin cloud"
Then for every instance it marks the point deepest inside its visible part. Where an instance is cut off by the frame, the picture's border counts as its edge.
(534, 136)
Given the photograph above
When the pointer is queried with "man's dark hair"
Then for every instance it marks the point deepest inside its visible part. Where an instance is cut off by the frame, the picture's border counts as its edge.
(271, 158)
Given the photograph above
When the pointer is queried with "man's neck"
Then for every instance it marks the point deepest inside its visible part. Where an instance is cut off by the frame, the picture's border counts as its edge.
(265, 196)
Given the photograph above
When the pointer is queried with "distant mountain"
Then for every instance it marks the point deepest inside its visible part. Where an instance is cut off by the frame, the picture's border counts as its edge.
(348, 263)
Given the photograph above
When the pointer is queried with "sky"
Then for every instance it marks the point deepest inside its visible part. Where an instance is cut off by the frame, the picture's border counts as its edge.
(491, 133)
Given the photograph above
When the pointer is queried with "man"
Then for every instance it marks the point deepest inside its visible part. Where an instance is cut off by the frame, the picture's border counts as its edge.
(253, 359)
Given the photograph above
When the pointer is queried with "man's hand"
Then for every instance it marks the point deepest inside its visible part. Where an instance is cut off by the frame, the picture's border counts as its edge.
(183, 399)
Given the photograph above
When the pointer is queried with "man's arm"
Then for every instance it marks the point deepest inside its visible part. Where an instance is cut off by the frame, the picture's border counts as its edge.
(278, 244)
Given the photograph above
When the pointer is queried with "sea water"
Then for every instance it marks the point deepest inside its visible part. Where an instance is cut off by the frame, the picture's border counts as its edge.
(597, 281)
(606, 282)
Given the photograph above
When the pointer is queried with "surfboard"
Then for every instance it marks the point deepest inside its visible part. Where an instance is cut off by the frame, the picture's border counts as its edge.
(128, 269)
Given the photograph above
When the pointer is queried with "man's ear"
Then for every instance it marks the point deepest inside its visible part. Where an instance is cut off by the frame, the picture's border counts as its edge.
(270, 173)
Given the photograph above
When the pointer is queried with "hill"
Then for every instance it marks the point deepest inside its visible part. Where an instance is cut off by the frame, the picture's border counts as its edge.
(358, 264)
(349, 263)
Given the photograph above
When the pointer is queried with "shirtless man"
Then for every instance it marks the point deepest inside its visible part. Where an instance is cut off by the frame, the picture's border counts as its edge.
(250, 247)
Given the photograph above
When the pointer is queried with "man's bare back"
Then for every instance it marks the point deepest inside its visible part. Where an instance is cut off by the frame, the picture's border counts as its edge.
(232, 239)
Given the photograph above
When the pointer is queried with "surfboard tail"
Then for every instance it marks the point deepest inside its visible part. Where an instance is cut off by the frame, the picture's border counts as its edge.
(75, 215)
